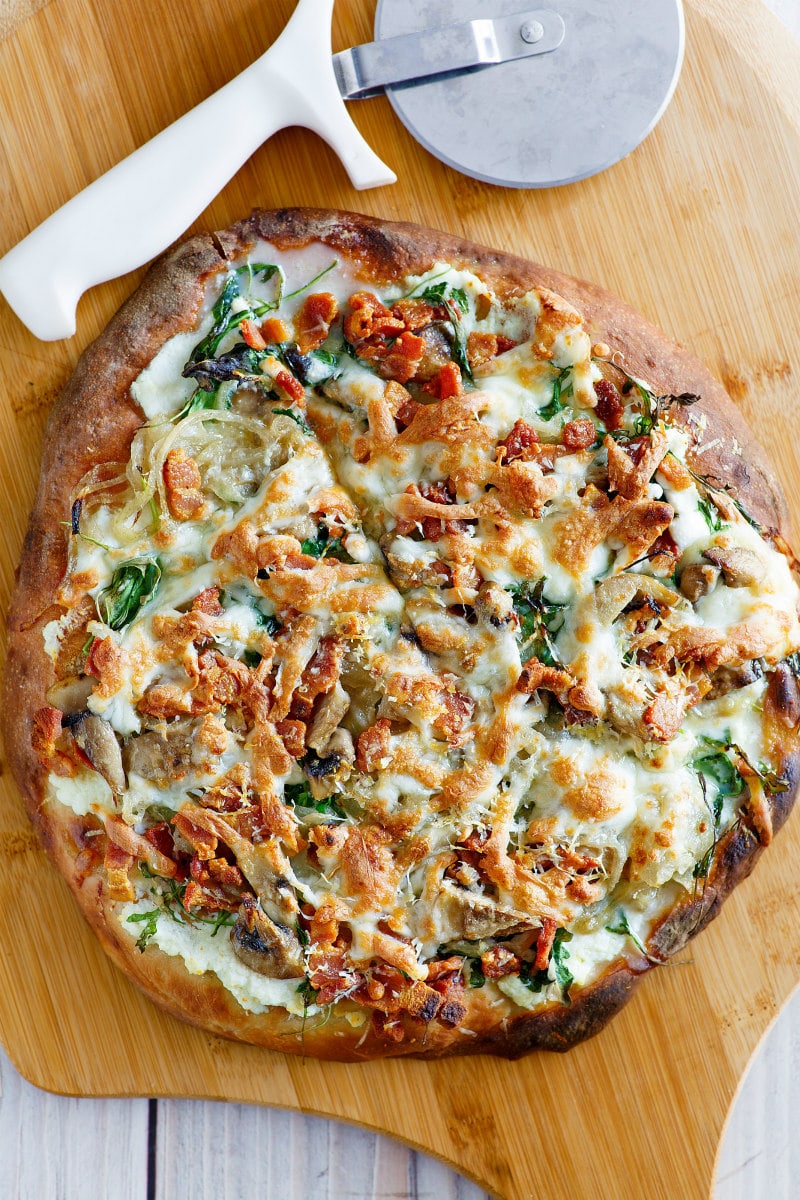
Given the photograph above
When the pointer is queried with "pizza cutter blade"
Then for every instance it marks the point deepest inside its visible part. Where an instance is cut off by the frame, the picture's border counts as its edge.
(550, 120)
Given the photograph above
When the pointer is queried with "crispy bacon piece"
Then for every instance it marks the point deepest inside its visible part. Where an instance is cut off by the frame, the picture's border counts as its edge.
(118, 864)
(329, 974)
(183, 481)
(518, 443)
(323, 670)
(609, 407)
(579, 435)
(324, 925)
(446, 383)
(202, 840)
(313, 321)
(401, 359)
(483, 347)
(415, 314)
(207, 602)
(370, 318)
(291, 386)
(452, 1009)
(138, 846)
(293, 735)
(275, 331)
(107, 662)
(373, 746)
(544, 945)
(499, 961)
(252, 335)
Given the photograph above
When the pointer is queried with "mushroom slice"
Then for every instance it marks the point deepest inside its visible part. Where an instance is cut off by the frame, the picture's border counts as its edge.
(740, 567)
(612, 595)
(99, 743)
(332, 708)
(71, 695)
(264, 945)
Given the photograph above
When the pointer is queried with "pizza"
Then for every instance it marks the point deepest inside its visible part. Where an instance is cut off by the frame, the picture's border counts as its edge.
(404, 652)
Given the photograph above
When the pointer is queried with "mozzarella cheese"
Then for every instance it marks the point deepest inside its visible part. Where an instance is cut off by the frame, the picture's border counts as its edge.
(417, 653)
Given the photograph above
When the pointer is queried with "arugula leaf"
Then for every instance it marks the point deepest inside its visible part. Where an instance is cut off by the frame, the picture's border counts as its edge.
(476, 977)
(622, 927)
(299, 796)
(298, 793)
(132, 584)
(538, 620)
(459, 340)
(434, 293)
(724, 774)
(712, 518)
(323, 546)
(221, 312)
(556, 403)
(564, 977)
(459, 297)
(151, 924)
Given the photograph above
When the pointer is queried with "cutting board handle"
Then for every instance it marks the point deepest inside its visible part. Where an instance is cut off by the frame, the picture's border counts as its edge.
(140, 206)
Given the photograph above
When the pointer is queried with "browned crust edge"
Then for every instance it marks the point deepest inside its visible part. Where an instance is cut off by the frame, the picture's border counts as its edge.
(94, 420)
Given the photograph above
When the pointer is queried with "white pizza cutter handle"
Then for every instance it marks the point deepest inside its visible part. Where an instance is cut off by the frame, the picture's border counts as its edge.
(139, 207)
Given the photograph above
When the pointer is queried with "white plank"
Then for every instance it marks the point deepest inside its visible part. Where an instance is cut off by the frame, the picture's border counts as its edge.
(212, 1151)
(60, 1148)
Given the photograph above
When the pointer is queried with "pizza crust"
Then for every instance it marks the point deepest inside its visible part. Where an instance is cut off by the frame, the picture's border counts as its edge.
(94, 420)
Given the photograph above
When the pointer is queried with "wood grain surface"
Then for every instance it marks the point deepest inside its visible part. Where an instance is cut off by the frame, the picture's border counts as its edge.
(697, 229)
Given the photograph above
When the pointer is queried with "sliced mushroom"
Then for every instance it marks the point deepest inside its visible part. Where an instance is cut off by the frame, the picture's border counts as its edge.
(615, 594)
(161, 757)
(471, 915)
(332, 709)
(436, 353)
(740, 567)
(99, 743)
(326, 771)
(730, 679)
(71, 694)
(264, 945)
(494, 604)
(697, 580)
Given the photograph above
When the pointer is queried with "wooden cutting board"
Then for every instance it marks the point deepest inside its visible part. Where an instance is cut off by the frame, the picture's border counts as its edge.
(698, 229)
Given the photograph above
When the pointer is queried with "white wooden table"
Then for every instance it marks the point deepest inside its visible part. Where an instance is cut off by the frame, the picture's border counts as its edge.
(55, 1148)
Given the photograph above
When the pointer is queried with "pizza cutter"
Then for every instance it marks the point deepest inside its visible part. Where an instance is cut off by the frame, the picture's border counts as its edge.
(521, 98)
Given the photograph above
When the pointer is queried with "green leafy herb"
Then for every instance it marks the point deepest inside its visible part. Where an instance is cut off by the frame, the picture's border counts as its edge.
(622, 927)
(459, 340)
(539, 620)
(459, 297)
(564, 977)
(434, 293)
(296, 417)
(251, 658)
(721, 770)
(133, 583)
(537, 980)
(476, 977)
(150, 920)
(302, 934)
(299, 796)
(323, 546)
(712, 518)
(304, 287)
(556, 403)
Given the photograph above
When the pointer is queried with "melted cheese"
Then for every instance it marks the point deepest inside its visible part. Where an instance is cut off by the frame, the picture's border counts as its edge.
(300, 537)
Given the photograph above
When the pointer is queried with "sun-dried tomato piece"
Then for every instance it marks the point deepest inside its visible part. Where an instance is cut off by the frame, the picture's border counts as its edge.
(609, 406)
(579, 435)
(518, 443)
